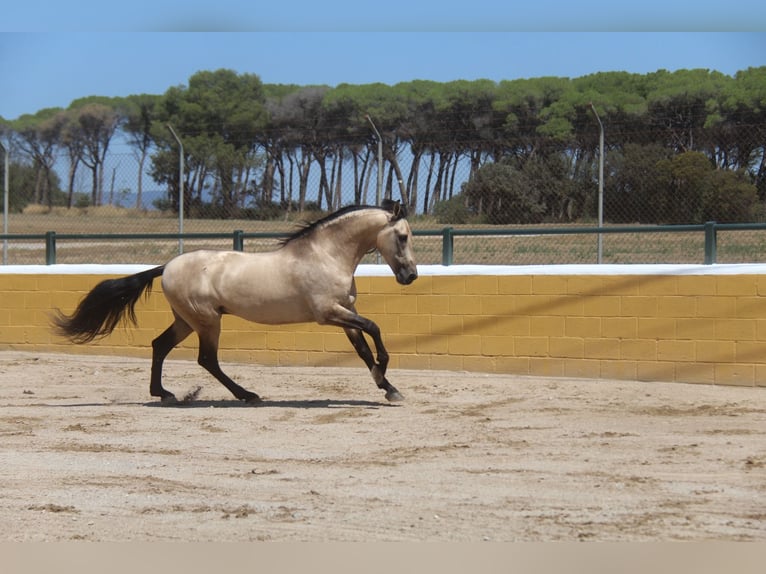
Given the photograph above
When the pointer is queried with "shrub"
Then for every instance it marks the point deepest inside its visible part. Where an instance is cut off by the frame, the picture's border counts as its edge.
(453, 211)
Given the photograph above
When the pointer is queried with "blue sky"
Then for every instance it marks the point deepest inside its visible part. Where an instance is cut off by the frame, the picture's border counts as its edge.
(390, 15)
(51, 55)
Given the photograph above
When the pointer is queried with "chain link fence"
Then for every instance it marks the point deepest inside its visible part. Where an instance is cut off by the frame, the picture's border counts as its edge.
(642, 186)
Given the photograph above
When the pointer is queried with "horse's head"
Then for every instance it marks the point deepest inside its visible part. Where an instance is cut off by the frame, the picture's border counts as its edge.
(394, 243)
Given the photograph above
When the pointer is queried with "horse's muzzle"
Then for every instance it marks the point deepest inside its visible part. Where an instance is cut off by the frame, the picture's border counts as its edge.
(405, 276)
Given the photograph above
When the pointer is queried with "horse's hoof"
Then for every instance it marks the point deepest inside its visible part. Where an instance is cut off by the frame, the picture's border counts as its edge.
(394, 396)
(252, 399)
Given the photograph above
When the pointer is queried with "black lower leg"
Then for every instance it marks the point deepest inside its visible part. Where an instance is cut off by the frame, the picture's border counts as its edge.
(378, 370)
(361, 347)
(380, 379)
(208, 359)
(161, 346)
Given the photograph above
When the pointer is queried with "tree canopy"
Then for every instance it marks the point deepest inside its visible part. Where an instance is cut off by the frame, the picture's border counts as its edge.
(680, 146)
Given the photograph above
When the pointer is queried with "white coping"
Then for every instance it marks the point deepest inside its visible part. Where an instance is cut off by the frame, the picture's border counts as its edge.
(425, 270)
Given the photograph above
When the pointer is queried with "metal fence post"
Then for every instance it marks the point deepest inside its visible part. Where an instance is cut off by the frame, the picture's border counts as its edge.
(6, 169)
(447, 246)
(379, 188)
(50, 247)
(600, 244)
(711, 243)
(239, 240)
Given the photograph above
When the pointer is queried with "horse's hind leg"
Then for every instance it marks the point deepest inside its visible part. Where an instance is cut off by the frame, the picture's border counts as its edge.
(161, 346)
(208, 359)
(378, 371)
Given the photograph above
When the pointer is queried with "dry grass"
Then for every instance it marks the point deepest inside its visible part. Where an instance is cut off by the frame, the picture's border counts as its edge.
(733, 247)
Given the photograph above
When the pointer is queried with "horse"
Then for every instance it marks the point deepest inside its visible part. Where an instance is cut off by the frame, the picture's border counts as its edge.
(309, 277)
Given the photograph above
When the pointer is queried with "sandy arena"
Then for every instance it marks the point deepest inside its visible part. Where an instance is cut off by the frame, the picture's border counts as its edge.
(86, 454)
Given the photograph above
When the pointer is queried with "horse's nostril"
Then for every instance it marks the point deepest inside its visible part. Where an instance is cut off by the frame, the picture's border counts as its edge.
(411, 277)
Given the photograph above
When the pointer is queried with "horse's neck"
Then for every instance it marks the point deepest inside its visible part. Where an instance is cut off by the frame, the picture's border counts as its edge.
(353, 237)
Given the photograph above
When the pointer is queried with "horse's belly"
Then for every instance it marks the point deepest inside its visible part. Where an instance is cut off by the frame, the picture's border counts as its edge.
(274, 312)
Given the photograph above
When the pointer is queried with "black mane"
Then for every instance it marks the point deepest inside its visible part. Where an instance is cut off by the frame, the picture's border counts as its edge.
(307, 227)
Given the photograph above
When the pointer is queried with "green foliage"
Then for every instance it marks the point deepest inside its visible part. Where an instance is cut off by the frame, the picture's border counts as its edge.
(650, 185)
(530, 144)
(22, 182)
(218, 117)
(728, 197)
(505, 194)
(453, 211)
(636, 185)
(698, 192)
(687, 175)
(81, 200)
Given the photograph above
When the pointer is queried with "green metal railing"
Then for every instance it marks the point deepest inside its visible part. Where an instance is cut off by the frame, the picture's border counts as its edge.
(710, 230)
(237, 236)
(447, 234)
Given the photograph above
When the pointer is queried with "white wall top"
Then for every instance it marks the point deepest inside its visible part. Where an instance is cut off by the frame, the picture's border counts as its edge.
(436, 270)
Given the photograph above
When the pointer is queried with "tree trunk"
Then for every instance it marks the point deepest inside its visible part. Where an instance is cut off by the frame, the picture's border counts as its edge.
(412, 181)
(267, 183)
(338, 187)
(426, 206)
(304, 167)
(140, 185)
(395, 169)
(452, 177)
(94, 183)
(70, 183)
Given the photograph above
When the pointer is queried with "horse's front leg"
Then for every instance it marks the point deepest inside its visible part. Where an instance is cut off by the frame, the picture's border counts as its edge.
(355, 325)
(378, 370)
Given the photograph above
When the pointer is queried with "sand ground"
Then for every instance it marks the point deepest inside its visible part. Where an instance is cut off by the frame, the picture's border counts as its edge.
(87, 454)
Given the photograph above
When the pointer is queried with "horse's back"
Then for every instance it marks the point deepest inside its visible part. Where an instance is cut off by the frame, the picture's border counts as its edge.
(196, 270)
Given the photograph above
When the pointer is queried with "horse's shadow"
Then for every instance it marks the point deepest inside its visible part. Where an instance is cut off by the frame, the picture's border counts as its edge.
(234, 403)
(267, 403)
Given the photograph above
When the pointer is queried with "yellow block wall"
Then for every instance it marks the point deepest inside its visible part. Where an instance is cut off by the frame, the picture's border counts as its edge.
(686, 328)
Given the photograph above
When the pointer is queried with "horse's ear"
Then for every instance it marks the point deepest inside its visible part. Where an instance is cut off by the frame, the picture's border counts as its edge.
(395, 207)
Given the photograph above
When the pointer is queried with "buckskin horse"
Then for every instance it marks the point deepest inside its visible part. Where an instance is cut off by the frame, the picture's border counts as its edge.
(309, 278)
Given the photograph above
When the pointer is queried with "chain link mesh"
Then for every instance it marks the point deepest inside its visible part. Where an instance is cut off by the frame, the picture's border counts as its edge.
(503, 196)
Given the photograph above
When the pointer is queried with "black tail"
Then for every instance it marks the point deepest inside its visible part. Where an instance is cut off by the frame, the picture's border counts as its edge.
(105, 306)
